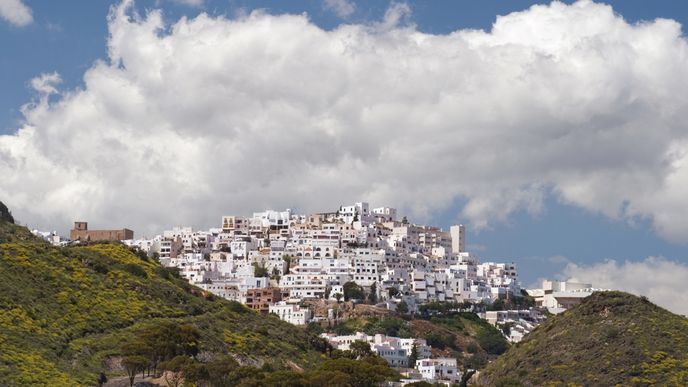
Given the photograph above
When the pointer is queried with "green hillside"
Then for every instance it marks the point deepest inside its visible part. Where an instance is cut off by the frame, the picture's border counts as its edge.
(611, 338)
(461, 335)
(68, 314)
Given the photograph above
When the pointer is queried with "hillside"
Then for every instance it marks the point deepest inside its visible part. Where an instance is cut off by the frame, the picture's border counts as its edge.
(611, 338)
(461, 335)
(67, 314)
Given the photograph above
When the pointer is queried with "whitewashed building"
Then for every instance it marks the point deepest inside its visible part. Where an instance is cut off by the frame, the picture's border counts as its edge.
(291, 313)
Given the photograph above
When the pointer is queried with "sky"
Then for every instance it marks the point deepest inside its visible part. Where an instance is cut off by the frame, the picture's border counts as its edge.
(555, 131)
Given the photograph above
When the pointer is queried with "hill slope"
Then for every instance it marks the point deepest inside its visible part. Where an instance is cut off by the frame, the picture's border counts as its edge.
(463, 336)
(610, 338)
(66, 312)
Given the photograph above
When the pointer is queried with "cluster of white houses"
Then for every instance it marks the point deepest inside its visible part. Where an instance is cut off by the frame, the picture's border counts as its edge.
(312, 256)
(275, 259)
(399, 353)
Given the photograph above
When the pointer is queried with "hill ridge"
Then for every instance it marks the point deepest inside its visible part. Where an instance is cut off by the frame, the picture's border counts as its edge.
(611, 338)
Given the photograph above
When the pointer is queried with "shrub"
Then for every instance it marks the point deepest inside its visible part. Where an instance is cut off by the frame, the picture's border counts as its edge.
(135, 270)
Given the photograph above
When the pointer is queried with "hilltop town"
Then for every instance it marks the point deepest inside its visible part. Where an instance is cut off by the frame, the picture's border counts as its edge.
(300, 267)
(354, 252)
(366, 289)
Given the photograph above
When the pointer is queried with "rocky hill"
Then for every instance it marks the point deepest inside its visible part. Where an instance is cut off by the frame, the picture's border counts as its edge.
(611, 338)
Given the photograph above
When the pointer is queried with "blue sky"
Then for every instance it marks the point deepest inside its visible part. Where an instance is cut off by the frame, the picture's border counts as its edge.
(69, 37)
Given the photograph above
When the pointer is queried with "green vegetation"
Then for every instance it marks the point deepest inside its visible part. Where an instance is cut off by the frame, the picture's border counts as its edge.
(344, 372)
(352, 291)
(489, 338)
(402, 307)
(462, 335)
(260, 270)
(611, 338)
(80, 315)
(390, 326)
(525, 301)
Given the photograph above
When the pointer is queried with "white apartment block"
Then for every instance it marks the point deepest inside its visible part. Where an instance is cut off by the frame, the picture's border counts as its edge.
(521, 321)
(439, 369)
(557, 296)
(291, 313)
(396, 351)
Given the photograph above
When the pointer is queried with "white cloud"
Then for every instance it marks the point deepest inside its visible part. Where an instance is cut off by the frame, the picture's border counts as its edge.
(211, 116)
(192, 3)
(396, 14)
(16, 12)
(660, 280)
(341, 8)
(46, 83)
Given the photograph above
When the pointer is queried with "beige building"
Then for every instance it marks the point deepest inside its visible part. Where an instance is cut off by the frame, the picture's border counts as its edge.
(80, 232)
(458, 238)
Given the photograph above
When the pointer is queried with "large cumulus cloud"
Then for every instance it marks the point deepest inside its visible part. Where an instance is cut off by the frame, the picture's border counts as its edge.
(185, 122)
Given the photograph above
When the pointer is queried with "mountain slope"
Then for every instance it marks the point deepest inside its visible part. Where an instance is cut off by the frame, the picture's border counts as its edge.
(66, 312)
(610, 338)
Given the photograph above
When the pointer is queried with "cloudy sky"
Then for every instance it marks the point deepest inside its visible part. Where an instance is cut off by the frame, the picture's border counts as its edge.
(557, 132)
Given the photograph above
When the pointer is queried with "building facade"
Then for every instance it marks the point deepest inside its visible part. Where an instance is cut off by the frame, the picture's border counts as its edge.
(80, 232)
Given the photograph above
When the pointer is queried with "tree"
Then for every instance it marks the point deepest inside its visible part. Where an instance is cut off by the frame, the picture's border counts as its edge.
(260, 270)
(492, 341)
(413, 357)
(392, 292)
(352, 291)
(372, 297)
(440, 340)
(219, 370)
(338, 296)
(245, 376)
(467, 374)
(328, 379)
(177, 368)
(284, 379)
(506, 328)
(275, 274)
(133, 365)
(320, 344)
(402, 307)
(475, 361)
(497, 304)
(163, 342)
(369, 371)
(360, 349)
(188, 337)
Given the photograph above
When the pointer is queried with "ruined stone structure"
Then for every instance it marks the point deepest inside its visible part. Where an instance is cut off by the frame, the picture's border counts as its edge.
(82, 233)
